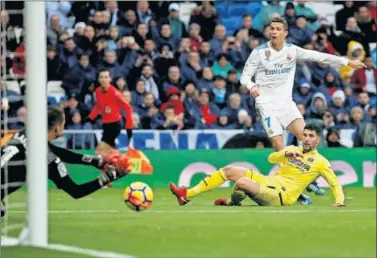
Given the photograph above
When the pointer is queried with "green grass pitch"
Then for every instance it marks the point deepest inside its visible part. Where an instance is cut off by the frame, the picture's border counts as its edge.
(103, 222)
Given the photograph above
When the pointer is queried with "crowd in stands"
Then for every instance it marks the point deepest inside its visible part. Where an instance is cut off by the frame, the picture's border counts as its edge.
(179, 63)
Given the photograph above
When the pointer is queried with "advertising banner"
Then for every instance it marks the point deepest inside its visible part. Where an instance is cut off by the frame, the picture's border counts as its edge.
(354, 167)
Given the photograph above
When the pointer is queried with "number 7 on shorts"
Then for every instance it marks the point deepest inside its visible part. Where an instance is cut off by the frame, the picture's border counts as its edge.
(268, 121)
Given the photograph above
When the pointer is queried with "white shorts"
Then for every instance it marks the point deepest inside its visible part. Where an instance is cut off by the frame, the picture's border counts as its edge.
(276, 118)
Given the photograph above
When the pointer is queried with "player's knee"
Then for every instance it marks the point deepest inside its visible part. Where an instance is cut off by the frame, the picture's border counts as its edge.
(229, 172)
(241, 184)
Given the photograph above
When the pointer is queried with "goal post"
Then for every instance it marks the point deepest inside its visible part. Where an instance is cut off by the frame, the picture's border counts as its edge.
(36, 127)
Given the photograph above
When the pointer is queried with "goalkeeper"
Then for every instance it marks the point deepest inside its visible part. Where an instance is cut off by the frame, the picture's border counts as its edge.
(300, 166)
(14, 152)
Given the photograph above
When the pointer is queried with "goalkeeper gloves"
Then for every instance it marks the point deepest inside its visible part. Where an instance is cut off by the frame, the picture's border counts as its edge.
(110, 174)
(95, 161)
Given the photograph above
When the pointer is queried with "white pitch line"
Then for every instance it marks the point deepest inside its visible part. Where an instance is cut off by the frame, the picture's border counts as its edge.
(242, 210)
(89, 252)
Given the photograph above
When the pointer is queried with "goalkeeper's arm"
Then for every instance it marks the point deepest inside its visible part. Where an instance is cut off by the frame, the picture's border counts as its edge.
(64, 182)
(71, 157)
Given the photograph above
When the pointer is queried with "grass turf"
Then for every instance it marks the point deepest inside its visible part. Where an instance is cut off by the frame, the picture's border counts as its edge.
(103, 222)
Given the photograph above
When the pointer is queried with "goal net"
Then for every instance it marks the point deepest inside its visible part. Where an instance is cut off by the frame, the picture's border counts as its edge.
(25, 219)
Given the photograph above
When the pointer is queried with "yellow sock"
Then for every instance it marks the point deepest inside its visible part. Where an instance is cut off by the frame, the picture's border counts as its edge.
(209, 183)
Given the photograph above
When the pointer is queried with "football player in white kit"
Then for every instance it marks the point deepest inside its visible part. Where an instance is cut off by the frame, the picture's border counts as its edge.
(273, 67)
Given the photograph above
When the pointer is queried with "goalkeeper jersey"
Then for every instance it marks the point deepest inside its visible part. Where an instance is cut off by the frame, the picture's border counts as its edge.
(296, 174)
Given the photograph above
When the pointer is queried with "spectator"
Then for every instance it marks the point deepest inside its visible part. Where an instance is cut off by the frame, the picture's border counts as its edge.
(310, 15)
(53, 30)
(318, 106)
(129, 23)
(365, 79)
(302, 109)
(249, 47)
(21, 119)
(355, 52)
(89, 99)
(84, 70)
(121, 84)
(218, 39)
(141, 34)
(205, 16)
(177, 26)
(300, 34)
(127, 55)
(189, 97)
(303, 94)
(81, 10)
(147, 110)
(374, 57)
(337, 106)
(328, 119)
(167, 38)
(342, 15)
(127, 96)
(290, 14)
(322, 44)
(234, 51)
(366, 135)
(333, 138)
(223, 121)
(247, 101)
(111, 64)
(68, 56)
(116, 14)
(208, 112)
(331, 83)
(150, 81)
(114, 38)
(206, 82)
(168, 119)
(364, 101)
(174, 101)
(78, 140)
(87, 42)
(234, 107)
(222, 66)
(144, 14)
(150, 49)
(357, 117)
(219, 92)
(372, 7)
(367, 24)
(244, 120)
(350, 98)
(136, 122)
(60, 9)
(53, 65)
(10, 32)
(19, 61)
(272, 9)
(232, 81)
(173, 80)
(352, 33)
(247, 30)
(165, 60)
(191, 70)
(195, 39)
(138, 93)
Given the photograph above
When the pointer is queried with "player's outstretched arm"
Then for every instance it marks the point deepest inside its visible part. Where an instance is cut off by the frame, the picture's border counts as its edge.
(284, 154)
(336, 188)
(71, 157)
(333, 60)
(64, 182)
(250, 69)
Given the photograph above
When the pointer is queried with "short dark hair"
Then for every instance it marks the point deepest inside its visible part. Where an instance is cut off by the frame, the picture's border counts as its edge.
(102, 70)
(55, 116)
(247, 15)
(280, 20)
(313, 127)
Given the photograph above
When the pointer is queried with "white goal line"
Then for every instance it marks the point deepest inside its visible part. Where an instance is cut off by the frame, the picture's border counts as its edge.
(241, 210)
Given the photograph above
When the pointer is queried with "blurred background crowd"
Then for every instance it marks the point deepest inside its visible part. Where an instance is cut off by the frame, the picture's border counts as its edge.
(179, 63)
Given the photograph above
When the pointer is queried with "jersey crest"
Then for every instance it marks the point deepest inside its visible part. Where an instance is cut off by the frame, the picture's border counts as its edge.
(289, 57)
(267, 53)
(107, 110)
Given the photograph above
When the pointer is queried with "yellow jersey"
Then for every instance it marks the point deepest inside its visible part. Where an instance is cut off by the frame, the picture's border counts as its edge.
(296, 174)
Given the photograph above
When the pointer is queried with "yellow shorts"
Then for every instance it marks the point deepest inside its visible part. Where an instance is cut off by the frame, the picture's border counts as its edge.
(271, 192)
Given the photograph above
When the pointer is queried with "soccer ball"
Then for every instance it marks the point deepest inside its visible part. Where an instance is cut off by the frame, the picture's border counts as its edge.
(138, 196)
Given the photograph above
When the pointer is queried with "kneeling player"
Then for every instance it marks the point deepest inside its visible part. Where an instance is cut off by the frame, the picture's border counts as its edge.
(300, 166)
(14, 154)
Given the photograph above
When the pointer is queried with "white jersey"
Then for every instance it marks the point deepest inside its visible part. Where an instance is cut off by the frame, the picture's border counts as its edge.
(274, 71)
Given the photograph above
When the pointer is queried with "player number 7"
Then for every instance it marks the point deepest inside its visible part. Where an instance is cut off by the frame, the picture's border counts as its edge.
(268, 121)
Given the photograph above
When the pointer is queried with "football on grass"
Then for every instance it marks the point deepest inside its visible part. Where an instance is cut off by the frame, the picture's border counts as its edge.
(138, 196)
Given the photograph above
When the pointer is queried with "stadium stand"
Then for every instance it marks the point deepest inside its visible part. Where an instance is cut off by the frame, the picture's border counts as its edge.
(125, 37)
